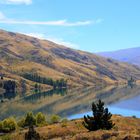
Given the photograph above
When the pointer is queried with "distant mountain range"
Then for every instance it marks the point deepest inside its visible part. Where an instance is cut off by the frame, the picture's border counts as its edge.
(131, 55)
(21, 54)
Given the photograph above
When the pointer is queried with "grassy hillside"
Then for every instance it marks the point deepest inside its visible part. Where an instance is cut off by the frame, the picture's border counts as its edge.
(20, 53)
(126, 128)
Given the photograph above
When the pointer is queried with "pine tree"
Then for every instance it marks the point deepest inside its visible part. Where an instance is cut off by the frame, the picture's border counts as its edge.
(101, 118)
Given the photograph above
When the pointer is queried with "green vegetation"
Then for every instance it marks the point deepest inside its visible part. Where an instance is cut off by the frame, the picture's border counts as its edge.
(6, 137)
(30, 119)
(125, 128)
(54, 119)
(37, 88)
(64, 122)
(21, 122)
(101, 118)
(43, 80)
(40, 119)
(32, 134)
(8, 125)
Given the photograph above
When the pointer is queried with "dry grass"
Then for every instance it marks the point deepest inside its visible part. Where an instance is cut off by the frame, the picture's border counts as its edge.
(20, 52)
(126, 128)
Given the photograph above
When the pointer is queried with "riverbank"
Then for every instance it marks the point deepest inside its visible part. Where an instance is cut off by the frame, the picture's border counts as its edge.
(126, 128)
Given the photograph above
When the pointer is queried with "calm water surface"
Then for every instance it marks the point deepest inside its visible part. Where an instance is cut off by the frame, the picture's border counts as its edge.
(73, 103)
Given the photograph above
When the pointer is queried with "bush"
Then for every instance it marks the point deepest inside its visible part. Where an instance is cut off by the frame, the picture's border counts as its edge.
(21, 122)
(6, 137)
(64, 122)
(0, 126)
(30, 119)
(40, 118)
(55, 119)
(8, 125)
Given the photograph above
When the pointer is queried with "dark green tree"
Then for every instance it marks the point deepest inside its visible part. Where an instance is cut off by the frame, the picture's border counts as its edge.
(59, 83)
(101, 118)
(36, 88)
(32, 134)
(30, 119)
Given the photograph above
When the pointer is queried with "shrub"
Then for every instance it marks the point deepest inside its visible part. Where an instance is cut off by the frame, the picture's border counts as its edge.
(65, 120)
(8, 125)
(21, 122)
(6, 137)
(63, 124)
(0, 126)
(101, 118)
(55, 119)
(134, 116)
(30, 119)
(40, 119)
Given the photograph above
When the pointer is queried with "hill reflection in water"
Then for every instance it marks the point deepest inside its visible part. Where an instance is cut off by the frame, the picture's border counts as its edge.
(66, 102)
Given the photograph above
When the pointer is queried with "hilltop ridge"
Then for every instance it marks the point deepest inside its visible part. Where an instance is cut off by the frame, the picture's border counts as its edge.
(130, 55)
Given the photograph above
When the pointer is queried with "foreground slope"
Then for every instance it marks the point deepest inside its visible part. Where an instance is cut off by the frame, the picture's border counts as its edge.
(126, 128)
(21, 54)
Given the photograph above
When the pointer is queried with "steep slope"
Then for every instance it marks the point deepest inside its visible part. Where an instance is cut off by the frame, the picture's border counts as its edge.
(131, 55)
(20, 53)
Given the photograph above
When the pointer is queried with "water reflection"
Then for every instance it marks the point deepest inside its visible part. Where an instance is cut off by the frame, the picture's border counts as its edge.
(66, 102)
(7, 95)
(38, 96)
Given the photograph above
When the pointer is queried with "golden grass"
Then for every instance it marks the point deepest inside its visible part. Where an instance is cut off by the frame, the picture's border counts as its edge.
(126, 128)
(36, 52)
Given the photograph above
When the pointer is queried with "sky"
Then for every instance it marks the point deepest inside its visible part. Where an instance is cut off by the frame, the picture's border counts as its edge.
(89, 25)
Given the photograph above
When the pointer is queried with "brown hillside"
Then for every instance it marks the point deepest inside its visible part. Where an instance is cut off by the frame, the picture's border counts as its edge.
(20, 53)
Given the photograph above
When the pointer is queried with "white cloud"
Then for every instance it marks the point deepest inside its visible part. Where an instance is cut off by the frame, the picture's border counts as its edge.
(4, 19)
(36, 35)
(49, 23)
(27, 2)
(99, 20)
(59, 41)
